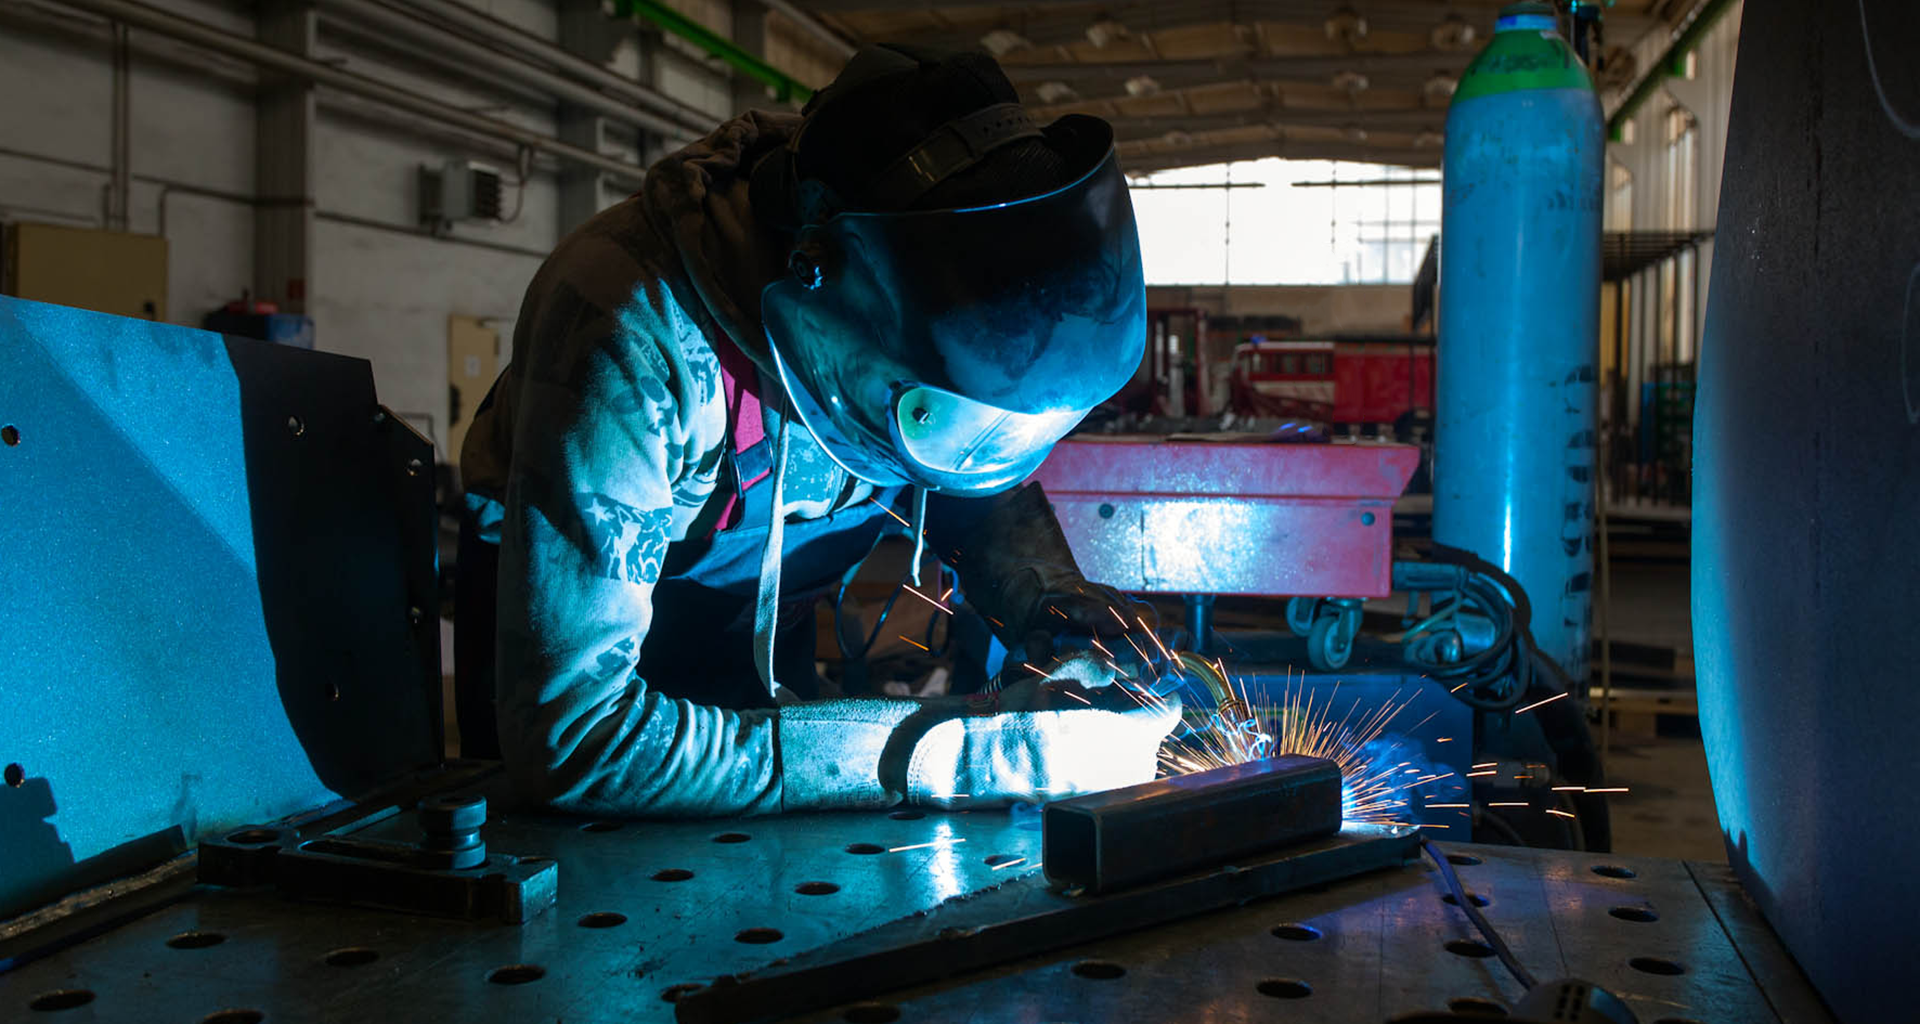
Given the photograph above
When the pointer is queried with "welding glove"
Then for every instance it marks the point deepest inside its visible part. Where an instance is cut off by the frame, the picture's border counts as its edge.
(1018, 570)
(1035, 740)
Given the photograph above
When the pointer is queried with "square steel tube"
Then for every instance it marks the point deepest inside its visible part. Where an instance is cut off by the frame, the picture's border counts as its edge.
(1105, 841)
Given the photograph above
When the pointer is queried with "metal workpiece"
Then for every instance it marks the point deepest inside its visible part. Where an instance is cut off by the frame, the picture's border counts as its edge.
(655, 909)
(256, 658)
(1105, 841)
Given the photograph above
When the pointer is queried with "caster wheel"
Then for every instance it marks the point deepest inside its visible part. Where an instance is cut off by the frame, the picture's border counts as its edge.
(1300, 614)
(1326, 648)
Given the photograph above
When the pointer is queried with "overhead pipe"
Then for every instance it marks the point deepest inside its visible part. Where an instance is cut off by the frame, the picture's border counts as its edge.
(200, 34)
(785, 87)
(409, 27)
(1684, 42)
(460, 19)
(811, 25)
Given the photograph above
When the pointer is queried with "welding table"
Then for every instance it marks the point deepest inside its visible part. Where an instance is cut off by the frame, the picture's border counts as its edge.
(646, 906)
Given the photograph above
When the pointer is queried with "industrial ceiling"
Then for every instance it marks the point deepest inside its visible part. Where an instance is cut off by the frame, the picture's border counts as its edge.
(1205, 81)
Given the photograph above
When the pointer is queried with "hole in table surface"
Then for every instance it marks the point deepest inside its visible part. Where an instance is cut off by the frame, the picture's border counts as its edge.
(1296, 932)
(1473, 897)
(1640, 915)
(1099, 970)
(1656, 965)
(352, 956)
(1284, 988)
(15, 775)
(871, 1013)
(239, 1016)
(1614, 871)
(759, 936)
(816, 888)
(732, 837)
(865, 848)
(603, 919)
(1477, 1007)
(1469, 948)
(10, 435)
(516, 974)
(672, 875)
(61, 999)
(196, 940)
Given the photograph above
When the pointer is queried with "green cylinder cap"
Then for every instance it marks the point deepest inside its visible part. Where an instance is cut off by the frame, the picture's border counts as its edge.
(1526, 52)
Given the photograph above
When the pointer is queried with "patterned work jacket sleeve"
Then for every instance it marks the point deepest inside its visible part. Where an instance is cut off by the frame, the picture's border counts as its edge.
(617, 439)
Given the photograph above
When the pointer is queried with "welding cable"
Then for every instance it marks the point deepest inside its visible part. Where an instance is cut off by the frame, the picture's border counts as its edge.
(1506, 661)
(1520, 973)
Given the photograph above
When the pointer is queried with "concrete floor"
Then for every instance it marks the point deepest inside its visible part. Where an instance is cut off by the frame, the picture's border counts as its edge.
(1668, 810)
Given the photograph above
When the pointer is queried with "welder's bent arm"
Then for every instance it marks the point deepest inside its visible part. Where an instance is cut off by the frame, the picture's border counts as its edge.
(615, 447)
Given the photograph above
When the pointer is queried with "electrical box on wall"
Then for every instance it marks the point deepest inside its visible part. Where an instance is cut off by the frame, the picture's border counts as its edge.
(460, 191)
(104, 271)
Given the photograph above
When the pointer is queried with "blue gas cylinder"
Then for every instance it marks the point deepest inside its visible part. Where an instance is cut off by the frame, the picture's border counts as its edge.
(1519, 324)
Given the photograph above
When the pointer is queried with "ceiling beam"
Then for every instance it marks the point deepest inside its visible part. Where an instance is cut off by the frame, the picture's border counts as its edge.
(1419, 64)
(1416, 119)
(1291, 149)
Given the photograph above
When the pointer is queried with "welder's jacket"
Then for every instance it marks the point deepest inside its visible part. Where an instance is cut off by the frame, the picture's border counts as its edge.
(604, 465)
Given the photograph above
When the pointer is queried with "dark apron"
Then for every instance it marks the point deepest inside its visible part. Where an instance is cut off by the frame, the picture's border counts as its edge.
(699, 646)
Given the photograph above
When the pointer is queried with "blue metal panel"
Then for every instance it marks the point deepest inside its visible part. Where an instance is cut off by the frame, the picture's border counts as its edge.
(1519, 315)
(206, 565)
(1806, 545)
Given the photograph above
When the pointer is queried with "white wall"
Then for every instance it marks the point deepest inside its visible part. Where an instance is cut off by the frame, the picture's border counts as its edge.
(378, 293)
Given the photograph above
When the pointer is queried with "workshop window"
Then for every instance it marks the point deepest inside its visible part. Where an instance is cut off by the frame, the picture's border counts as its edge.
(1278, 222)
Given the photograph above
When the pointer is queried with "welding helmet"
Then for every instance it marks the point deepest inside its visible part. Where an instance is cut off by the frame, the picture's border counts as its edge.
(951, 348)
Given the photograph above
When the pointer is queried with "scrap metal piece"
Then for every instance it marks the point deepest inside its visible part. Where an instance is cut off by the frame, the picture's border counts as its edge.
(1024, 918)
(1106, 841)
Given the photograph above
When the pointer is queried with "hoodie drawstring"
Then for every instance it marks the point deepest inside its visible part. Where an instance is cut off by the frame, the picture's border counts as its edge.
(919, 530)
(766, 609)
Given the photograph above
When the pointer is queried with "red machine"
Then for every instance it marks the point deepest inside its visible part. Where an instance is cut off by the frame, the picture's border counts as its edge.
(1334, 382)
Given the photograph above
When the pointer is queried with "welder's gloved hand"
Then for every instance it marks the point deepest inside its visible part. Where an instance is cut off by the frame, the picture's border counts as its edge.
(1048, 741)
(1036, 740)
(1019, 570)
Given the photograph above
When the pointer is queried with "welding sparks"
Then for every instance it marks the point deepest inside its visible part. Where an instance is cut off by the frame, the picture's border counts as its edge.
(1538, 703)
(928, 600)
(1487, 764)
(1375, 790)
(1558, 813)
(1609, 789)
(936, 842)
(891, 512)
(1037, 671)
(1008, 864)
(1508, 803)
(916, 643)
(1476, 775)
(946, 595)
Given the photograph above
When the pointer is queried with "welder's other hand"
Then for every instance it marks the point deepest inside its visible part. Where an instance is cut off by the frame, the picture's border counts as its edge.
(1100, 738)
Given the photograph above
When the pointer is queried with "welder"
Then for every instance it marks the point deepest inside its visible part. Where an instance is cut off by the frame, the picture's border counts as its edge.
(723, 387)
